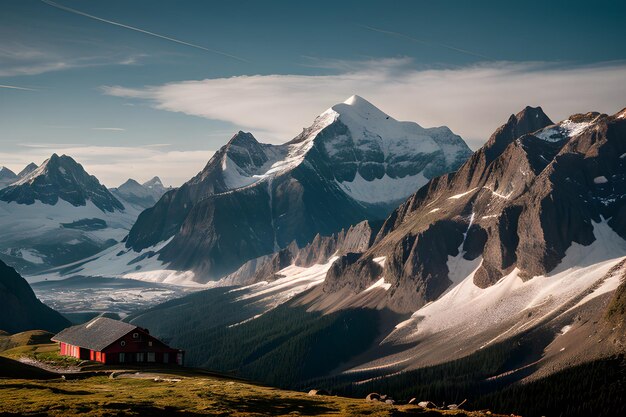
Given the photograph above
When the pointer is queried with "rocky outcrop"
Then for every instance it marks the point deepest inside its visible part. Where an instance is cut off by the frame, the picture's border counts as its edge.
(356, 239)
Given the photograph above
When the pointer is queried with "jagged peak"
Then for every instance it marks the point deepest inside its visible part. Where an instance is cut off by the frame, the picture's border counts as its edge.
(528, 120)
(530, 112)
(4, 171)
(28, 169)
(242, 138)
(129, 182)
(153, 181)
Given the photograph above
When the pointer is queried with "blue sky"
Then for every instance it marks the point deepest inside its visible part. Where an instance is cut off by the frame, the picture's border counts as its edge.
(127, 103)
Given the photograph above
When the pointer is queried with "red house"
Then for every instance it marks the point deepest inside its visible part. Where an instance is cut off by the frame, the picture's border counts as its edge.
(115, 342)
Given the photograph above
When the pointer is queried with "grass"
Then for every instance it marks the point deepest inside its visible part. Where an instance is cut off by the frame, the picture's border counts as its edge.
(188, 392)
(191, 396)
(36, 345)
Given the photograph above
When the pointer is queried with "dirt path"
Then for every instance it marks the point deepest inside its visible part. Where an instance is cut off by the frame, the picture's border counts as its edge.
(51, 368)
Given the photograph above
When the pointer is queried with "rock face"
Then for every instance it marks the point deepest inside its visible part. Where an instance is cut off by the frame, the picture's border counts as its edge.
(60, 178)
(143, 195)
(20, 309)
(356, 239)
(521, 201)
(354, 163)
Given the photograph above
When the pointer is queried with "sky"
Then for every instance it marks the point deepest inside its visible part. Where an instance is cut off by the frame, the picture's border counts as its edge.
(151, 87)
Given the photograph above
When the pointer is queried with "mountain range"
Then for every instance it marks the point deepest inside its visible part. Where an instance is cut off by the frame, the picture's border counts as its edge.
(365, 251)
(516, 259)
(141, 195)
(57, 213)
(353, 163)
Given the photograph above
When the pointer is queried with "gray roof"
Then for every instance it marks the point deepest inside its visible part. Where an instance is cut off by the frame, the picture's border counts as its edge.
(95, 334)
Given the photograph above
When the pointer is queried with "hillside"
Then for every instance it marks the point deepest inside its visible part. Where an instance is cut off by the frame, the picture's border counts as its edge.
(19, 307)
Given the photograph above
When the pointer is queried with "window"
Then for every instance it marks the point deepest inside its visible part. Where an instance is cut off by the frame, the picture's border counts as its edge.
(135, 335)
(150, 343)
(140, 357)
(151, 357)
(166, 357)
(122, 357)
(122, 343)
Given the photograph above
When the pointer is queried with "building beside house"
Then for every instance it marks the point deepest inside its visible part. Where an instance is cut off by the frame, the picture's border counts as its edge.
(115, 342)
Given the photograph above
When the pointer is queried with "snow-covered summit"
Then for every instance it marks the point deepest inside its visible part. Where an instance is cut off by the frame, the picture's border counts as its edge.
(373, 158)
(60, 178)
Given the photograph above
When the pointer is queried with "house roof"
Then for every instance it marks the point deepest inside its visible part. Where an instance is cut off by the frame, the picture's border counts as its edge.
(96, 334)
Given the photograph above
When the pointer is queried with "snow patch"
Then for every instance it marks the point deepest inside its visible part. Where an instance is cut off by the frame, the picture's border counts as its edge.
(295, 280)
(565, 129)
(600, 180)
(382, 190)
(379, 284)
(457, 196)
(30, 255)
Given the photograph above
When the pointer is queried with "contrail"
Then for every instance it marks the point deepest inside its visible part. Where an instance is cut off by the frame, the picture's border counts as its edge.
(424, 42)
(69, 9)
(14, 87)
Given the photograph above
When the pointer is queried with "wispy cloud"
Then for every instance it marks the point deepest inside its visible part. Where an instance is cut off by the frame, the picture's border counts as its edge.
(15, 87)
(426, 42)
(136, 29)
(112, 129)
(471, 100)
(19, 59)
(112, 165)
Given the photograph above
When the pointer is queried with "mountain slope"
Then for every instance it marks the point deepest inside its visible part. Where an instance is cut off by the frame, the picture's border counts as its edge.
(20, 309)
(353, 163)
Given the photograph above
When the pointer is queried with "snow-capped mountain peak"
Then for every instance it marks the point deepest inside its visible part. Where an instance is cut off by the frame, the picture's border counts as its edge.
(60, 178)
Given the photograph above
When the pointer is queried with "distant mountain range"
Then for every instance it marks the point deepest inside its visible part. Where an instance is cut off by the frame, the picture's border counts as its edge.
(7, 177)
(57, 213)
(142, 195)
